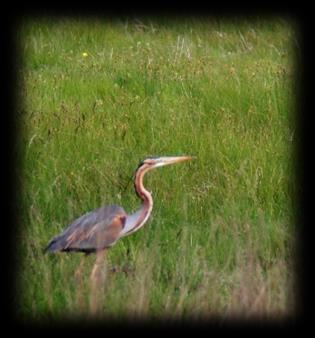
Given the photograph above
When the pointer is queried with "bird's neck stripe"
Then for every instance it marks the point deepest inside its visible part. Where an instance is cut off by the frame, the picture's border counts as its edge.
(140, 190)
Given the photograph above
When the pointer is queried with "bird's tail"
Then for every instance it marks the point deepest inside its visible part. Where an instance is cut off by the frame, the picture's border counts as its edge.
(52, 247)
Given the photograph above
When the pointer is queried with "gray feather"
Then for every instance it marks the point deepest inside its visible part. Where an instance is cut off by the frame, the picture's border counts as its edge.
(100, 218)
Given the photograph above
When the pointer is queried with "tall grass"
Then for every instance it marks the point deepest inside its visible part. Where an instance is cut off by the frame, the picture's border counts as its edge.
(97, 96)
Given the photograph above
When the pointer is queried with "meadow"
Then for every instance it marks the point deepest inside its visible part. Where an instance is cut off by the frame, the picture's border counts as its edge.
(99, 95)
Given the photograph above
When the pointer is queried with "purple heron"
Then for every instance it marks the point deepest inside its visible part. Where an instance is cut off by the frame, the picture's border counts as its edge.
(102, 228)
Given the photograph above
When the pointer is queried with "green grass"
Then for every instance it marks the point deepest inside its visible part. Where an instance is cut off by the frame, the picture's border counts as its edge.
(220, 239)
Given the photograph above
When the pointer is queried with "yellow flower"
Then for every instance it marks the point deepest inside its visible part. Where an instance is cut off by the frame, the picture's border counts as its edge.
(85, 54)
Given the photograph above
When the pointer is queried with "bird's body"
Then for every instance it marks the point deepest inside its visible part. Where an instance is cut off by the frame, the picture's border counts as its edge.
(96, 230)
(102, 227)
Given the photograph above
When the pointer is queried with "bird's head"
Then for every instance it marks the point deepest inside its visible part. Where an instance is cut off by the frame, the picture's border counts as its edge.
(155, 162)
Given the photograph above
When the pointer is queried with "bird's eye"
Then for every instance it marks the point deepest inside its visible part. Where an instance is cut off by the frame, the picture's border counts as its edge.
(150, 160)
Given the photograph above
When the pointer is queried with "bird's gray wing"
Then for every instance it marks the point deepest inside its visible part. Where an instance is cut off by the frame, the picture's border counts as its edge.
(93, 231)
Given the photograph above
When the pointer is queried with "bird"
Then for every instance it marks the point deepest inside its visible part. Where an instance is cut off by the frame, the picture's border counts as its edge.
(101, 228)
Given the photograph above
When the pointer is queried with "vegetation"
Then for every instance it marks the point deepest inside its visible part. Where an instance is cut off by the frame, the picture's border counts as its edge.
(98, 96)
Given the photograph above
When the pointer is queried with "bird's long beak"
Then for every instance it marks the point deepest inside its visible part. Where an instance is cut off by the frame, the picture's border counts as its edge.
(175, 159)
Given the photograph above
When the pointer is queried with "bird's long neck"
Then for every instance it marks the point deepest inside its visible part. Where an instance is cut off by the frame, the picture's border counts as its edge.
(144, 194)
(136, 221)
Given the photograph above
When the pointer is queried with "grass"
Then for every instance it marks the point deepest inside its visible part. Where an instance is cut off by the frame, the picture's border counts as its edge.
(97, 96)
